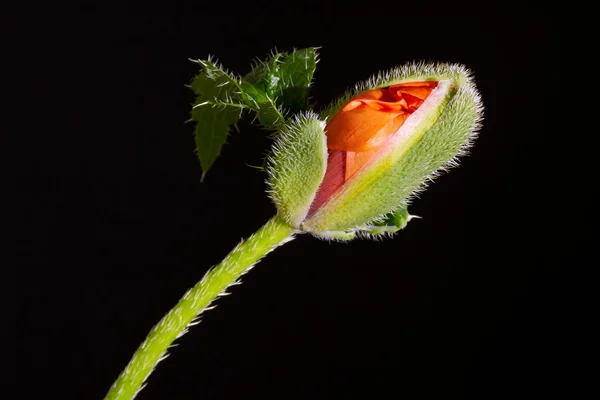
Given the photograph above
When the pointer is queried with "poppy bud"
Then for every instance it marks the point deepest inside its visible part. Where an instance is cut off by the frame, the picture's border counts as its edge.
(356, 171)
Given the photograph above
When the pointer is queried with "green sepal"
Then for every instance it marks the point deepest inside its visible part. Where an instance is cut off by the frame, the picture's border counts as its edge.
(391, 223)
(338, 236)
(296, 166)
(387, 226)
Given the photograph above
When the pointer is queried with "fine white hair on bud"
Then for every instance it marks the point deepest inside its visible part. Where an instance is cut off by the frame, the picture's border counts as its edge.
(410, 72)
(371, 202)
(296, 166)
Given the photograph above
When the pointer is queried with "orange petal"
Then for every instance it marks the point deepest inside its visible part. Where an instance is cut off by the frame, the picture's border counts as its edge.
(375, 94)
(418, 89)
(363, 127)
(355, 160)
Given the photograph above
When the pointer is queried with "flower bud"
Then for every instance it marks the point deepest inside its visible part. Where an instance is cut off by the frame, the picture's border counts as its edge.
(357, 172)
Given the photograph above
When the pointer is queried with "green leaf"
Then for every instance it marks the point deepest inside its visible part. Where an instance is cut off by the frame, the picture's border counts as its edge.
(212, 128)
(255, 98)
(273, 86)
(218, 106)
(296, 73)
(278, 88)
(265, 76)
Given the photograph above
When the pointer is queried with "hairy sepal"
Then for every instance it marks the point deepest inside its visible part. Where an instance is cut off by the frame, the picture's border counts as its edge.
(296, 166)
(429, 142)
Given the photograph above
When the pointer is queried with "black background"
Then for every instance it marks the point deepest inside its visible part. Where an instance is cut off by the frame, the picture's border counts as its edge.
(476, 300)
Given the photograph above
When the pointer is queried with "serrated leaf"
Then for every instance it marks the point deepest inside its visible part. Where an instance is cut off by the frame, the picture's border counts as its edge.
(265, 77)
(296, 72)
(277, 84)
(218, 106)
(267, 112)
(214, 83)
(259, 88)
(278, 88)
(272, 76)
(212, 129)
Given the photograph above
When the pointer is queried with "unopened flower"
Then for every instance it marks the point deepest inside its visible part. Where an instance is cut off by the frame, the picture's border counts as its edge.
(354, 168)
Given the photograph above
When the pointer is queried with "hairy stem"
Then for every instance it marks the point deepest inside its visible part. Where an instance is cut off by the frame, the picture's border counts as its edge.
(241, 259)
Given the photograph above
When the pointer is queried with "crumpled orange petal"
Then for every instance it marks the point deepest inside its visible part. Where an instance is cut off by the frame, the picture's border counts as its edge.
(363, 126)
(365, 122)
(369, 119)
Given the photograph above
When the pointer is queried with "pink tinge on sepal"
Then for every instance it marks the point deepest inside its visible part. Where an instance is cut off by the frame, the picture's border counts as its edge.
(334, 178)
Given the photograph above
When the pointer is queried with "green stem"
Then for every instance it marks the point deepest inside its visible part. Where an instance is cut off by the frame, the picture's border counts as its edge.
(175, 323)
